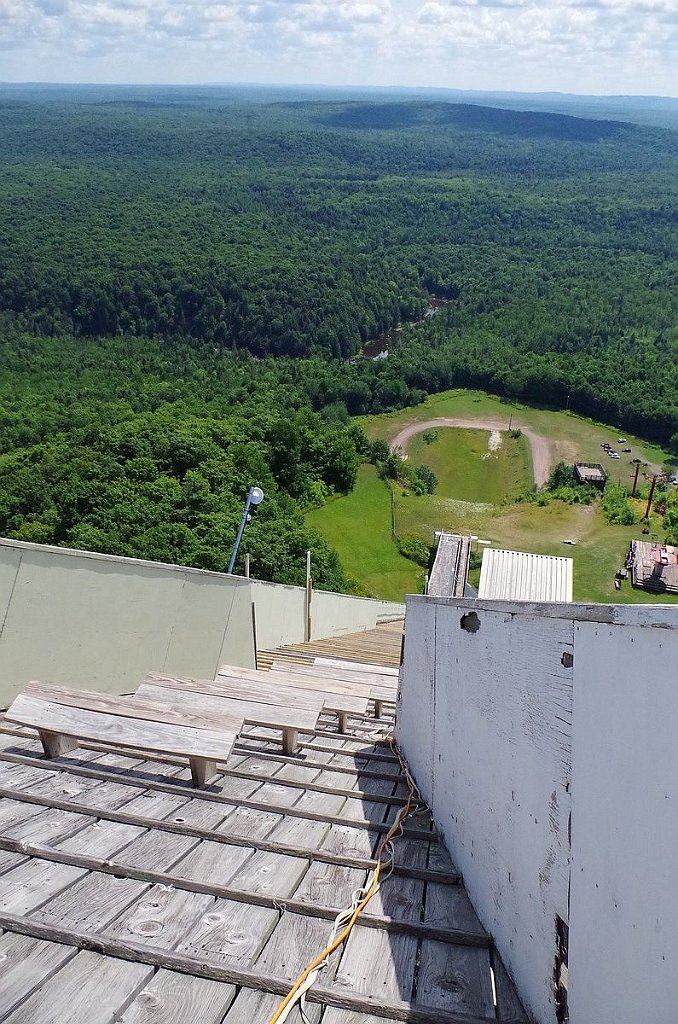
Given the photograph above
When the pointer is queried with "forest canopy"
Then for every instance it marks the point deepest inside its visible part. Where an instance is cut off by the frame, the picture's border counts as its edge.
(187, 279)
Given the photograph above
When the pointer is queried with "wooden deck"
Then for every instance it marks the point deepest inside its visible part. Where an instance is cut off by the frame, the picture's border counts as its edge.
(127, 895)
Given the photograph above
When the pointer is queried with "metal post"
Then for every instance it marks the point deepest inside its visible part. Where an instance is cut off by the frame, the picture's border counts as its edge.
(247, 565)
(309, 595)
(255, 496)
(243, 522)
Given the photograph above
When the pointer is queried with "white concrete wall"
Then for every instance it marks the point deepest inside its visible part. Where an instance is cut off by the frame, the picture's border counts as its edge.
(99, 621)
(280, 614)
(334, 615)
(505, 741)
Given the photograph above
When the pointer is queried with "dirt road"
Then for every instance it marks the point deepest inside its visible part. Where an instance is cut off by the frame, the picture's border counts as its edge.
(542, 448)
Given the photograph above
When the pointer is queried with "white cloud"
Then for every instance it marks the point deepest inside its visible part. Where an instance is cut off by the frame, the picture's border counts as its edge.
(576, 45)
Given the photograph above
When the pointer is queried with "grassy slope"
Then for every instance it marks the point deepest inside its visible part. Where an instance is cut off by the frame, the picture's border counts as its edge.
(358, 526)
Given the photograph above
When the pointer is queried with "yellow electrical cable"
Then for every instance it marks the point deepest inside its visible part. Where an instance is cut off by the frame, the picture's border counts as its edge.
(361, 906)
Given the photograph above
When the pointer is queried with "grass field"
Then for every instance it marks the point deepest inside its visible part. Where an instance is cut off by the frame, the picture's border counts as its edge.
(358, 526)
(470, 470)
(470, 495)
(570, 437)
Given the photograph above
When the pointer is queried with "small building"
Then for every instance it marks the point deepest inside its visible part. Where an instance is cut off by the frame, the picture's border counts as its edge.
(654, 566)
(590, 473)
(523, 576)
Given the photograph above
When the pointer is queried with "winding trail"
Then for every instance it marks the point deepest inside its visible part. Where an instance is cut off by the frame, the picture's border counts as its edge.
(541, 447)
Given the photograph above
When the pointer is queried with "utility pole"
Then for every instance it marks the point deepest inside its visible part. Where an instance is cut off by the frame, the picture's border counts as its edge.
(649, 500)
(635, 480)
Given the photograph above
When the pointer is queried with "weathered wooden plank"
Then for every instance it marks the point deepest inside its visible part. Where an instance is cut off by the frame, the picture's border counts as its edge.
(153, 804)
(24, 775)
(258, 896)
(173, 998)
(127, 707)
(330, 885)
(299, 810)
(367, 685)
(270, 873)
(292, 688)
(30, 885)
(378, 964)
(229, 933)
(213, 862)
(299, 833)
(240, 686)
(24, 965)
(91, 903)
(250, 823)
(47, 827)
(251, 1006)
(9, 860)
(89, 792)
(102, 840)
(138, 952)
(158, 850)
(285, 670)
(401, 899)
(358, 666)
(89, 989)
(449, 907)
(455, 978)
(509, 1006)
(257, 712)
(334, 1016)
(293, 944)
(124, 732)
(13, 812)
(162, 917)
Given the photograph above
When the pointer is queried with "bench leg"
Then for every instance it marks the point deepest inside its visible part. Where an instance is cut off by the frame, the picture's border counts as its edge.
(378, 708)
(55, 744)
(342, 717)
(290, 741)
(201, 770)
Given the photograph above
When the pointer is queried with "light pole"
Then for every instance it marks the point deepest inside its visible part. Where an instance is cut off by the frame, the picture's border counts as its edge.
(255, 496)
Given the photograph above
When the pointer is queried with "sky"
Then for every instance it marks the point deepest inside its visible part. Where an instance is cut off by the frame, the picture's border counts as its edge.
(580, 46)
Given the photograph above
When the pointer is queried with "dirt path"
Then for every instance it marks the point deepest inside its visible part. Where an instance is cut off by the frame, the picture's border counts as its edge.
(542, 448)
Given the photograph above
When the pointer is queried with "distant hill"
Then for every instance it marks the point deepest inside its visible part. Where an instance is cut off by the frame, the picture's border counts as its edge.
(474, 117)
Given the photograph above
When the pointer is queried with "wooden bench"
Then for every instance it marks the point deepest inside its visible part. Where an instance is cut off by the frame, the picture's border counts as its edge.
(268, 706)
(64, 718)
(377, 688)
(359, 666)
(340, 698)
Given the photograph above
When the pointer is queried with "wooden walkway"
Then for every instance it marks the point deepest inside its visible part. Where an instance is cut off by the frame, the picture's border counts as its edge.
(128, 895)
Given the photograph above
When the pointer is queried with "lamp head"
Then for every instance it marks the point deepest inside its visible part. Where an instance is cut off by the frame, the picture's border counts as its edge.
(256, 495)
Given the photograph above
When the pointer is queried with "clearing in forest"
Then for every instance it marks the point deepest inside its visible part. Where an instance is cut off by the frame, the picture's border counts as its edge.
(477, 494)
(474, 465)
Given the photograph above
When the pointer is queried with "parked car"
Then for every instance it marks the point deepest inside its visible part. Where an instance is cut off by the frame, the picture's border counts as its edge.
(621, 440)
(626, 449)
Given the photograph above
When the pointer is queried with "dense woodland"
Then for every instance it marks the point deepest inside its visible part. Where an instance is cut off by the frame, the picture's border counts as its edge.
(187, 279)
